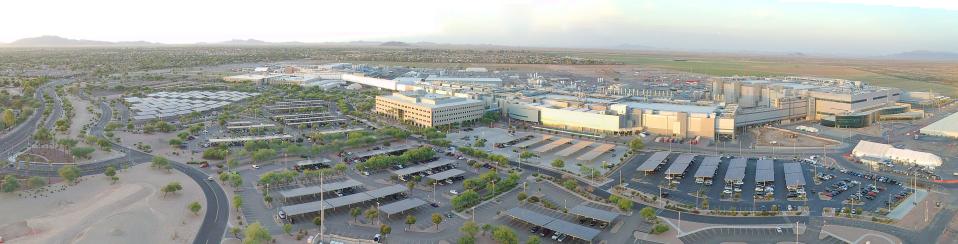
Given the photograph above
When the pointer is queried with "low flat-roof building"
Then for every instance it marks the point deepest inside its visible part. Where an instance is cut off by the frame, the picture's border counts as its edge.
(887, 152)
(946, 127)
(428, 110)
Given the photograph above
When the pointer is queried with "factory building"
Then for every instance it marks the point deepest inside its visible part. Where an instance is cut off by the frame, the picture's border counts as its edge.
(427, 109)
(834, 102)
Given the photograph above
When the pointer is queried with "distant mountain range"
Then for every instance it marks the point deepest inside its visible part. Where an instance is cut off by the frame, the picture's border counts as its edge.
(924, 55)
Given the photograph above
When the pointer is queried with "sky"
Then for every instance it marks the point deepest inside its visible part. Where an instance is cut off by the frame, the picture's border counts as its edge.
(839, 27)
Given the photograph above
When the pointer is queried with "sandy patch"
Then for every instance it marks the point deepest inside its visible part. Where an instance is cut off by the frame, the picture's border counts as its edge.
(160, 144)
(94, 211)
(81, 118)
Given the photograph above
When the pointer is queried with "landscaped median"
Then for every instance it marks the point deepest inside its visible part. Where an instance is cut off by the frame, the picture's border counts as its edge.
(483, 187)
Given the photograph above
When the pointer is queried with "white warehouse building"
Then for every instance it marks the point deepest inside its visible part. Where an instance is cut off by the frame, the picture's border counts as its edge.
(869, 150)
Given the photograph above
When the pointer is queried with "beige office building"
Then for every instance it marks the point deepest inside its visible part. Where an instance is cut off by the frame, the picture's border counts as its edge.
(429, 110)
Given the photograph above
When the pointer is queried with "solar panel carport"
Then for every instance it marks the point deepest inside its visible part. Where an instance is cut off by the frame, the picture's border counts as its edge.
(552, 145)
(794, 177)
(595, 152)
(594, 213)
(533, 141)
(574, 148)
(401, 206)
(348, 200)
(299, 209)
(421, 168)
(708, 167)
(445, 174)
(764, 171)
(681, 164)
(314, 190)
(653, 162)
(736, 170)
(573, 230)
(551, 223)
(529, 216)
(386, 191)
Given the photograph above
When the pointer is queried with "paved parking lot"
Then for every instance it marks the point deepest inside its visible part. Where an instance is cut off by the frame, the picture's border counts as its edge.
(686, 190)
(749, 235)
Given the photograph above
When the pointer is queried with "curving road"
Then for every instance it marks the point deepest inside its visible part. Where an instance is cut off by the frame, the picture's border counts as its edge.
(217, 204)
(19, 138)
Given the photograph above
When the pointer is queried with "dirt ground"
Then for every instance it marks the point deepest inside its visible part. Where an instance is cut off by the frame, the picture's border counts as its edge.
(159, 143)
(76, 125)
(133, 210)
(765, 137)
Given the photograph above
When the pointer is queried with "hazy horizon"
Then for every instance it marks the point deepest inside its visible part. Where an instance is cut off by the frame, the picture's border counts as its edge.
(836, 27)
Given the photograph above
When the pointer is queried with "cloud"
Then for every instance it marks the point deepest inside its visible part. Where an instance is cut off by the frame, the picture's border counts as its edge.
(951, 5)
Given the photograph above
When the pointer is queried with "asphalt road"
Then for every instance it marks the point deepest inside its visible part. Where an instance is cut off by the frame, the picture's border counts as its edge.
(19, 138)
(217, 204)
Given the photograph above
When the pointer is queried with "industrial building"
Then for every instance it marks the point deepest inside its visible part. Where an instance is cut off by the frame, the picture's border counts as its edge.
(428, 110)
(947, 127)
(834, 102)
(873, 152)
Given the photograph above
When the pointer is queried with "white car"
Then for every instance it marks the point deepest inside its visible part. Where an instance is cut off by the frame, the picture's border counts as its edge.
(366, 173)
(454, 192)
(256, 166)
(209, 178)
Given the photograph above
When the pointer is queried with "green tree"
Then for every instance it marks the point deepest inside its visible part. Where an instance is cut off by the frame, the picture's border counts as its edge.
(256, 234)
(505, 235)
(288, 228)
(237, 202)
(175, 142)
(466, 240)
(410, 220)
(8, 118)
(521, 196)
(436, 219)
(647, 212)
(558, 163)
(486, 228)
(82, 152)
(636, 144)
(67, 143)
(194, 207)
(69, 172)
(385, 230)
(533, 240)
(36, 181)
(172, 187)
(355, 212)
(526, 155)
(10, 184)
(469, 228)
(160, 162)
(43, 135)
(317, 221)
(659, 228)
(371, 214)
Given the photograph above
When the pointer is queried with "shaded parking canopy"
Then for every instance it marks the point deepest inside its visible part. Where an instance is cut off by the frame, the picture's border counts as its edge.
(653, 162)
(445, 174)
(573, 230)
(386, 191)
(708, 167)
(348, 200)
(383, 151)
(529, 216)
(764, 171)
(310, 207)
(594, 213)
(680, 164)
(595, 152)
(533, 141)
(574, 148)
(736, 170)
(420, 168)
(794, 175)
(313, 190)
(558, 142)
(400, 206)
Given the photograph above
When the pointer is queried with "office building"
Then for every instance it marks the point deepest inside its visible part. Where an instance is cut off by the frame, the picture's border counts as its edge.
(427, 109)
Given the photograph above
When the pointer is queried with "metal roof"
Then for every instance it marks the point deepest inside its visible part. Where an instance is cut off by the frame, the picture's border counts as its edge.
(383, 151)
(400, 206)
(305, 208)
(532, 141)
(653, 162)
(708, 167)
(681, 164)
(794, 176)
(313, 190)
(765, 170)
(349, 199)
(529, 216)
(736, 170)
(573, 230)
(552, 145)
(574, 148)
(446, 174)
(594, 213)
(595, 152)
(386, 191)
(420, 168)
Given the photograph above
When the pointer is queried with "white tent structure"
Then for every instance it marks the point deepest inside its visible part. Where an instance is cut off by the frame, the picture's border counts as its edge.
(885, 151)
